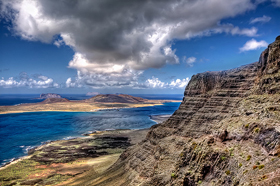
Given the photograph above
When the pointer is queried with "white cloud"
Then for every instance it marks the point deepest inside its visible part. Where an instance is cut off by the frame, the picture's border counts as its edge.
(253, 45)
(190, 61)
(58, 43)
(179, 83)
(263, 19)
(137, 35)
(25, 81)
(113, 47)
(84, 78)
(156, 83)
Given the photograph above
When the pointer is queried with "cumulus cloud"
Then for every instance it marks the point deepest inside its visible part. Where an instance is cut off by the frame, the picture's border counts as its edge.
(137, 34)
(156, 83)
(253, 45)
(58, 43)
(84, 78)
(25, 81)
(179, 83)
(263, 19)
(114, 41)
(190, 61)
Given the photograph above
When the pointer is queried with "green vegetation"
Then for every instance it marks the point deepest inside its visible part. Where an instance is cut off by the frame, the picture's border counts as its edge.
(246, 126)
(199, 182)
(20, 170)
(257, 130)
(261, 166)
(173, 175)
(223, 158)
(240, 165)
(227, 172)
(248, 158)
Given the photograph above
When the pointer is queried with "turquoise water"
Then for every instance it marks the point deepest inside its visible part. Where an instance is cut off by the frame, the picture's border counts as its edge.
(20, 132)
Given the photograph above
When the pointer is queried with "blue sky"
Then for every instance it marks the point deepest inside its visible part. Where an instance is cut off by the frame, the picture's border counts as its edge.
(136, 47)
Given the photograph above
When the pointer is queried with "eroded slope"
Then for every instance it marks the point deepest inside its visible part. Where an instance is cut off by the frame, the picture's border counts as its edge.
(225, 132)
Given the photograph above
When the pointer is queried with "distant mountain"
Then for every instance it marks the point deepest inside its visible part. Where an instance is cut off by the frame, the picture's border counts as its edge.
(116, 98)
(50, 95)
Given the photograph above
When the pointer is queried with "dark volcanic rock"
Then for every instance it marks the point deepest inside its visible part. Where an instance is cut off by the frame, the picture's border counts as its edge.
(70, 150)
(225, 132)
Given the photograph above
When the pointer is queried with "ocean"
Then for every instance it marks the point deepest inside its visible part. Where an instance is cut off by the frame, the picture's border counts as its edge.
(22, 131)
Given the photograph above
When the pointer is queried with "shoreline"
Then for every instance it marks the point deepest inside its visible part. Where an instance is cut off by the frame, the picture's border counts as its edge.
(160, 118)
(46, 160)
(84, 136)
(92, 110)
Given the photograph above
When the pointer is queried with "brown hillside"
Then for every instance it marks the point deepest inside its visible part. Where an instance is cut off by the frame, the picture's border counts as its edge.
(225, 132)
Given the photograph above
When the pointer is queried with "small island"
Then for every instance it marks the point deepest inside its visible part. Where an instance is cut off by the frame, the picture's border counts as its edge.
(55, 102)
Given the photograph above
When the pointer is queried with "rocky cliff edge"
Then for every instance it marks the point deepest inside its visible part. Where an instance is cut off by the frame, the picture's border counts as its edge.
(225, 132)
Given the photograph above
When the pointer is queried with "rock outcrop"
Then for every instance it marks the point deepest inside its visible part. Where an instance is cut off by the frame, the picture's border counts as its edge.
(49, 95)
(225, 132)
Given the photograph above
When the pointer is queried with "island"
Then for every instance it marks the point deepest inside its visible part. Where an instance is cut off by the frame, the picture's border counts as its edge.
(93, 104)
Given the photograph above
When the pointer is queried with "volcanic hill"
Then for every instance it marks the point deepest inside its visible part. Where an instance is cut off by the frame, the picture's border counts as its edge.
(225, 132)
(116, 98)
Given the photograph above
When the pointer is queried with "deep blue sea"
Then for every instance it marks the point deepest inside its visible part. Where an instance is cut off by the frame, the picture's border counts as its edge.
(20, 132)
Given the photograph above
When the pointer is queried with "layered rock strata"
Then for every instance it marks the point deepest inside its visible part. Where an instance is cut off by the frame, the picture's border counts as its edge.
(225, 132)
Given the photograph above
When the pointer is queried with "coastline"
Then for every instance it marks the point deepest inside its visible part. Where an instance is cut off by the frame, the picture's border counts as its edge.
(161, 118)
(45, 162)
(83, 108)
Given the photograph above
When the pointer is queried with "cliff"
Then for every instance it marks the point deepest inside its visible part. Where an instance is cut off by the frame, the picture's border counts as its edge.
(225, 132)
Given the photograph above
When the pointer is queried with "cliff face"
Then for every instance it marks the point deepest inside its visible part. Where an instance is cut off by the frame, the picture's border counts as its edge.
(225, 132)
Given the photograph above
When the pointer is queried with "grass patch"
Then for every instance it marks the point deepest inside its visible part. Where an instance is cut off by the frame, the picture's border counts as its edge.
(248, 158)
(257, 130)
(173, 175)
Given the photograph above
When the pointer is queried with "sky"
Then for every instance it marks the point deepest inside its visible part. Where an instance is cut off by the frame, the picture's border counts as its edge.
(127, 46)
